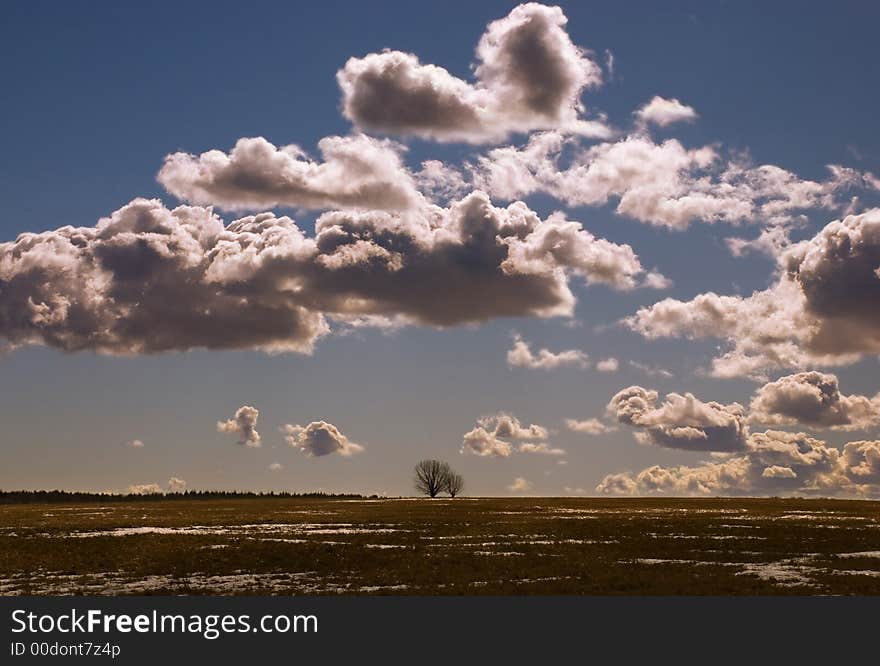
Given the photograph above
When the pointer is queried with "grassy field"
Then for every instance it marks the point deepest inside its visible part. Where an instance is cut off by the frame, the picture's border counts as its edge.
(461, 546)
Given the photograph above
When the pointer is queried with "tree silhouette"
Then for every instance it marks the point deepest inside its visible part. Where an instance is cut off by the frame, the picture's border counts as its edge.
(431, 477)
(454, 483)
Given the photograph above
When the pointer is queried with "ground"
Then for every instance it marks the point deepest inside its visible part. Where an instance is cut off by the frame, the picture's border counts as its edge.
(460, 546)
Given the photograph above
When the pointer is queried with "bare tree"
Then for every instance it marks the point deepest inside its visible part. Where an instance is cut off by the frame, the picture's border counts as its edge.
(454, 483)
(431, 477)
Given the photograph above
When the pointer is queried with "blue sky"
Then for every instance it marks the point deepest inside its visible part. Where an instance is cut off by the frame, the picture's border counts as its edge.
(97, 94)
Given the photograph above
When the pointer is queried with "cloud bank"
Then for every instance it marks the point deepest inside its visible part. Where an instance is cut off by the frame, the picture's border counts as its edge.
(148, 279)
(821, 310)
(774, 463)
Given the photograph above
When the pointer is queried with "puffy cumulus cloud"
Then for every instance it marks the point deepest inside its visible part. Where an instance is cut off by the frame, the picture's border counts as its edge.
(320, 438)
(662, 184)
(354, 172)
(664, 112)
(529, 75)
(820, 311)
(481, 442)
(681, 421)
(862, 462)
(135, 444)
(588, 426)
(276, 467)
(813, 398)
(520, 485)
(774, 463)
(493, 436)
(244, 425)
(610, 364)
(148, 279)
(521, 355)
(145, 489)
(176, 485)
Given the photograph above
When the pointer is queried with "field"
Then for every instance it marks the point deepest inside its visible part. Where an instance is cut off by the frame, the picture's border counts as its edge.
(461, 546)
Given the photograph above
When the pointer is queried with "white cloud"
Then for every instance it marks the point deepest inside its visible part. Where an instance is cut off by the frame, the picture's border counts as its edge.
(774, 463)
(529, 75)
(664, 112)
(244, 425)
(320, 438)
(521, 356)
(662, 184)
(610, 364)
(135, 444)
(588, 426)
(542, 448)
(176, 485)
(148, 279)
(813, 398)
(276, 467)
(493, 436)
(650, 370)
(681, 421)
(520, 485)
(355, 172)
(145, 489)
(820, 311)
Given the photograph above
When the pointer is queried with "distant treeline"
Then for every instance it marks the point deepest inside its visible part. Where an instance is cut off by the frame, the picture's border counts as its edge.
(62, 496)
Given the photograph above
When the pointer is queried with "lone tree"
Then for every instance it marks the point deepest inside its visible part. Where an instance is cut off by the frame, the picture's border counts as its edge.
(454, 483)
(435, 476)
(431, 477)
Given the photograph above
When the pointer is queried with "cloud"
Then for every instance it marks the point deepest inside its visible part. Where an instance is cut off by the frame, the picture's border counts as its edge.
(608, 365)
(529, 75)
(493, 434)
(521, 356)
(681, 421)
(148, 279)
(354, 172)
(145, 489)
(135, 444)
(176, 485)
(588, 427)
(861, 461)
(541, 448)
(820, 311)
(276, 467)
(664, 112)
(244, 425)
(814, 399)
(774, 463)
(320, 438)
(520, 485)
(574, 491)
(662, 184)
(650, 370)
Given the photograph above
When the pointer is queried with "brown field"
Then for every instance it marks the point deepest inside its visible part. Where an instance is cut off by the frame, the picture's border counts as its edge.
(463, 546)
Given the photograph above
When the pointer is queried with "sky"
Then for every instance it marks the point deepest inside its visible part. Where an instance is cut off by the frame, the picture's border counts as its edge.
(600, 248)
